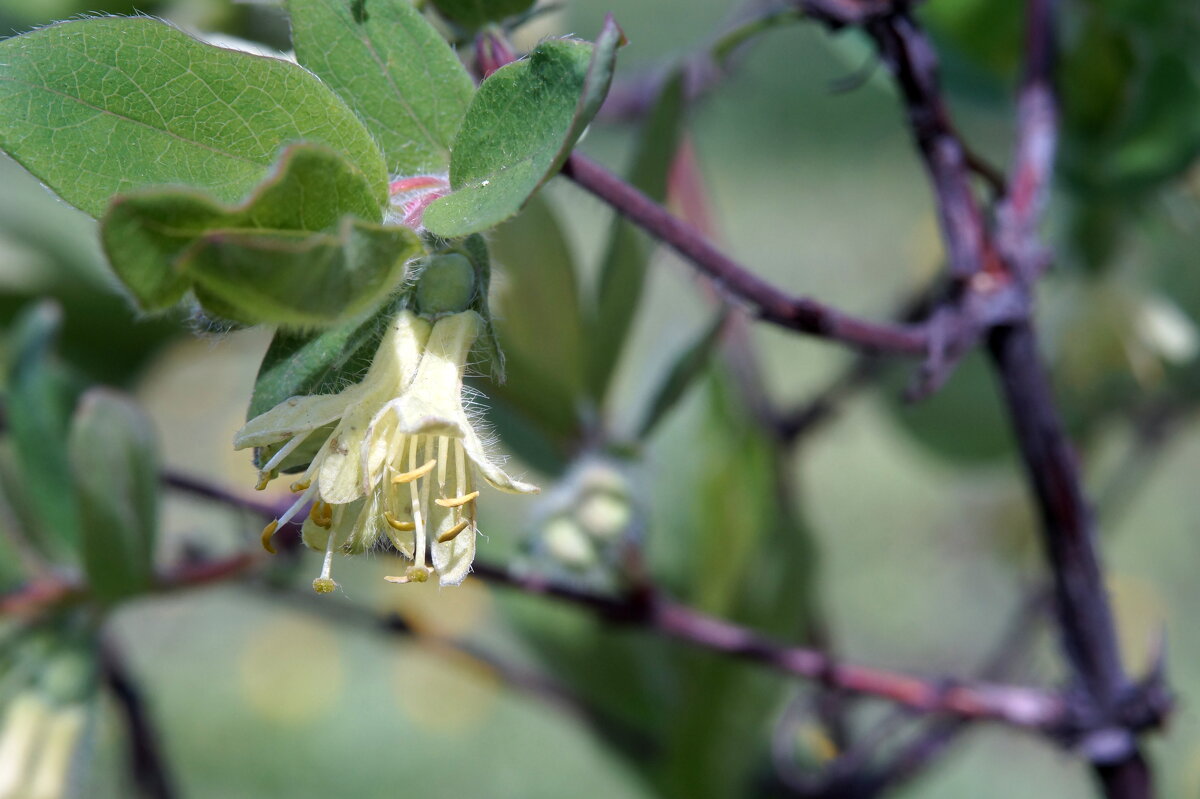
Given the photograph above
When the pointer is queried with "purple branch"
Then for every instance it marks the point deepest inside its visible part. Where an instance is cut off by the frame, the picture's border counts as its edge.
(1022, 707)
(1068, 525)
(913, 62)
(767, 302)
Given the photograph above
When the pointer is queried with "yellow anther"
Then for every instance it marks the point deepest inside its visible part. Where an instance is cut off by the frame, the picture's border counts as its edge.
(453, 532)
(263, 479)
(267, 532)
(415, 574)
(396, 524)
(300, 485)
(457, 501)
(321, 514)
(324, 585)
(420, 471)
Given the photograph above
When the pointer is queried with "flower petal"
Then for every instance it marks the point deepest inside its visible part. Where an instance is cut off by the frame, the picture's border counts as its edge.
(368, 524)
(451, 559)
(294, 415)
(432, 403)
(340, 475)
(491, 471)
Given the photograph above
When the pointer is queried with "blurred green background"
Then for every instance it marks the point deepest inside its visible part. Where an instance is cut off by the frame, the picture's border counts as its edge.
(911, 535)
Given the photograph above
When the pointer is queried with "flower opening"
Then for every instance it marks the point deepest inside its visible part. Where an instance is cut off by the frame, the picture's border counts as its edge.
(402, 459)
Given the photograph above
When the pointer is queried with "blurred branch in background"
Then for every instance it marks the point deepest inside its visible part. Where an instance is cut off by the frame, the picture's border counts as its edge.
(990, 225)
(649, 610)
(146, 761)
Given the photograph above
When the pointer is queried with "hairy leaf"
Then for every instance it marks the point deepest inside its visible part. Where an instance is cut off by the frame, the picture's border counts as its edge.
(148, 233)
(97, 107)
(298, 278)
(520, 128)
(393, 68)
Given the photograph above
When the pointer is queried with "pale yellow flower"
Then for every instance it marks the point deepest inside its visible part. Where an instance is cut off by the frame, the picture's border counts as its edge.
(403, 457)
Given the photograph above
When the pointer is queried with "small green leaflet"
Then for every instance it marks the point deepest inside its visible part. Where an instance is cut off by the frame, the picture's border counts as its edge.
(520, 128)
(115, 465)
(281, 243)
(393, 68)
(38, 408)
(96, 107)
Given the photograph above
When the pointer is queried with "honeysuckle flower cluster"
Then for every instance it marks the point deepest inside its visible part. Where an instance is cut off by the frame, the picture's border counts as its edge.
(584, 525)
(401, 461)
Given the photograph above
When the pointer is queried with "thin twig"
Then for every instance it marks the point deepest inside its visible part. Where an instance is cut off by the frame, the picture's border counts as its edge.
(1068, 526)
(913, 62)
(1018, 706)
(767, 302)
(1021, 707)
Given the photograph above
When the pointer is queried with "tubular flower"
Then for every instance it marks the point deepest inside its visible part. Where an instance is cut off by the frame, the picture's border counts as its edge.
(401, 460)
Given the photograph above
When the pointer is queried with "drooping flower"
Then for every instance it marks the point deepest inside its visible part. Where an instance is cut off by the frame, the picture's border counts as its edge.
(401, 460)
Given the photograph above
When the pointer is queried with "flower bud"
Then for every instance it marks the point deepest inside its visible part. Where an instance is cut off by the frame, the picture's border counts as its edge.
(446, 285)
(568, 545)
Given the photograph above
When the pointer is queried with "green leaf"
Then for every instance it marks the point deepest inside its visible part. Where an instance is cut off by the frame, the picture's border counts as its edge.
(298, 278)
(539, 324)
(688, 366)
(97, 107)
(148, 232)
(393, 68)
(476, 13)
(38, 409)
(623, 271)
(115, 465)
(520, 128)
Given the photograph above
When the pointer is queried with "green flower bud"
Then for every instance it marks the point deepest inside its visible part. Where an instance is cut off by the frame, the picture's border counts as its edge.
(446, 286)
(568, 545)
(605, 516)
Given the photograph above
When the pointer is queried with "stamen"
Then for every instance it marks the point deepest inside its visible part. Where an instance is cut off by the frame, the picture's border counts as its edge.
(270, 529)
(413, 474)
(425, 515)
(267, 532)
(453, 532)
(457, 501)
(415, 574)
(300, 485)
(443, 456)
(396, 524)
(460, 465)
(297, 505)
(321, 514)
(325, 584)
(415, 498)
(284, 451)
(263, 479)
